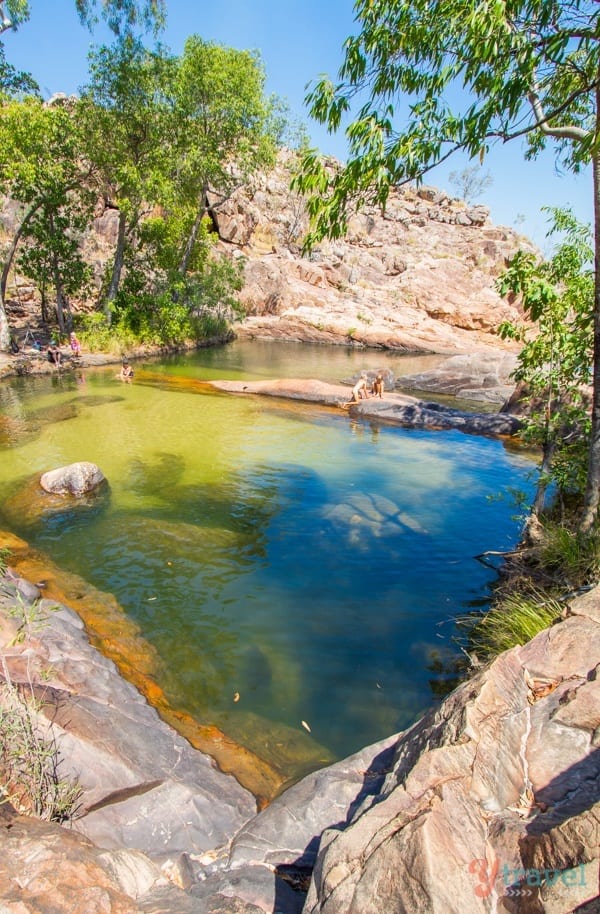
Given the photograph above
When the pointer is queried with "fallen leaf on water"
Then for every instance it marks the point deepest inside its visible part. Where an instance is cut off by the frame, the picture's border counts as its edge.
(236, 696)
(306, 727)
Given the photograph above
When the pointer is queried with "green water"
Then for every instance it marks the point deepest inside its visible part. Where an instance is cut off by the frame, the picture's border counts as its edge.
(276, 551)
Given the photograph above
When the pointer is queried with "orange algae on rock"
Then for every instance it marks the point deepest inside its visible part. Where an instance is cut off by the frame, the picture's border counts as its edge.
(119, 638)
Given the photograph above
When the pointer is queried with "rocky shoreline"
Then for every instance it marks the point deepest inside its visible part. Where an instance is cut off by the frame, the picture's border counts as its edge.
(464, 812)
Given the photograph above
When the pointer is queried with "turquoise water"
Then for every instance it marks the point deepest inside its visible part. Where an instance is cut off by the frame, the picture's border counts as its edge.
(296, 570)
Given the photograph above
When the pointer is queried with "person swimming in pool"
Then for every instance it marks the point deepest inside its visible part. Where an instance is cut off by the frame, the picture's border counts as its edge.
(126, 372)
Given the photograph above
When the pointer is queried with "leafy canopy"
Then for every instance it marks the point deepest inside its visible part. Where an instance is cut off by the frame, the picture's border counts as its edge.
(555, 362)
(425, 78)
(222, 112)
(121, 16)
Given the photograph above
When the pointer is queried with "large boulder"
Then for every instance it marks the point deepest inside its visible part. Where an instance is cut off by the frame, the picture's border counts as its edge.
(493, 803)
(483, 376)
(74, 479)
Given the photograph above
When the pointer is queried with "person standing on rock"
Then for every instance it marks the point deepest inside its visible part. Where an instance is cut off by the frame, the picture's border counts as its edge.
(75, 345)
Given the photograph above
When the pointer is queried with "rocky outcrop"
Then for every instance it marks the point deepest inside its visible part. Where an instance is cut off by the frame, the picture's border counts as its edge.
(421, 276)
(486, 378)
(142, 785)
(493, 802)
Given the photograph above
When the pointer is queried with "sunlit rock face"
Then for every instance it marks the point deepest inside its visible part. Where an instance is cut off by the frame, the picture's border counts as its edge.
(492, 801)
(488, 803)
(421, 276)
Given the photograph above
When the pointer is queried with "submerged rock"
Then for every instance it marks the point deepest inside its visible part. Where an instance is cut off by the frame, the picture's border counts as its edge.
(31, 505)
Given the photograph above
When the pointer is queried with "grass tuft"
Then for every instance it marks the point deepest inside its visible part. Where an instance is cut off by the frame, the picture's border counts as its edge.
(576, 558)
(513, 620)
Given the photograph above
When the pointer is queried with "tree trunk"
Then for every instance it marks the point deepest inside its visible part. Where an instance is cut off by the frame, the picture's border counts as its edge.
(4, 329)
(542, 485)
(115, 279)
(592, 492)
(191, 241)
(61, 302)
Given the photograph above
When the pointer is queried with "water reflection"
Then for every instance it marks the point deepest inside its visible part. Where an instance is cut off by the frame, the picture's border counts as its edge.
(287, 563)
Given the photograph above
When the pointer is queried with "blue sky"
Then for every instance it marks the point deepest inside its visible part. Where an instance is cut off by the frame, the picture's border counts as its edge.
(298, 42)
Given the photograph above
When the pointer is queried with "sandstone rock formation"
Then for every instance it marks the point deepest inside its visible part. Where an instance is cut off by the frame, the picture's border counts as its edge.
(493, 803)
(484, 378)
(421, 276)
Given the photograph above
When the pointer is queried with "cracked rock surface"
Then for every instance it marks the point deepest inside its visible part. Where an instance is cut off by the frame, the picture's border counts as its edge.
(493, 803)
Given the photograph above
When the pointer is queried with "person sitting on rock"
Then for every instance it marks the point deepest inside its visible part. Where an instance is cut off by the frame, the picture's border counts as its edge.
(54, 355)
(360, 388)
(377, 388)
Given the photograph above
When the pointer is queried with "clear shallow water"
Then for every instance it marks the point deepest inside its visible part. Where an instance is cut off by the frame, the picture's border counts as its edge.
(280, 552)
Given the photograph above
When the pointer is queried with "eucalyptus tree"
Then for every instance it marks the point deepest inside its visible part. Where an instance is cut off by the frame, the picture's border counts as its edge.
(555, 360)
(15, 83)
(423, 79)
(120, 15)
(42, 171)
(470, 182)
(125, 118)
(52, 256)
(224, 128)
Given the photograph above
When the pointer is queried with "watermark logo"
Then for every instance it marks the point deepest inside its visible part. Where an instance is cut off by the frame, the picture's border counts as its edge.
(518, 881)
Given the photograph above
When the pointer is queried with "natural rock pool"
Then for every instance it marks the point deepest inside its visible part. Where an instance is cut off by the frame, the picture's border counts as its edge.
(295, 570)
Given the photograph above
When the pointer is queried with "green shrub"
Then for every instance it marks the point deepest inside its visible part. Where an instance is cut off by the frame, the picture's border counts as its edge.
(29, 762)
(5, 554)
(29, 756)
(98, 335)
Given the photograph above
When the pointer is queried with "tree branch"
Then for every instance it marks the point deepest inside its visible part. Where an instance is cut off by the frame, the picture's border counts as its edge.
(568, 132)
